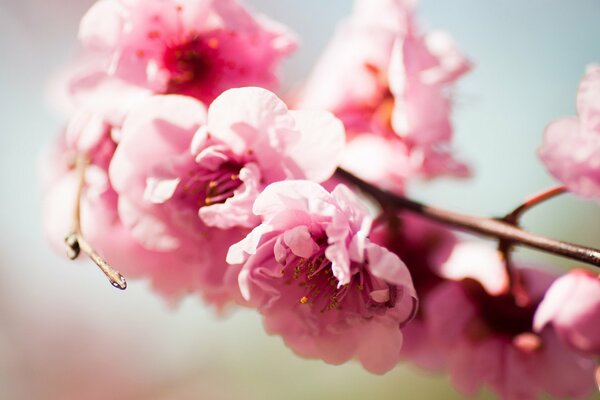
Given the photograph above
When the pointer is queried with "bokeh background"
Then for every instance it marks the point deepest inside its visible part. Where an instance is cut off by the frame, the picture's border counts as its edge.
(66, 334)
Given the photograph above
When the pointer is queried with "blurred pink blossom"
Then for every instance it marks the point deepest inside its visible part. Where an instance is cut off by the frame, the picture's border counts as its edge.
(319, 281)
(423, 246)
(171, 274)
(389, 85)
(571, 149)
(572, 307)
(198, 48)
(487, 339)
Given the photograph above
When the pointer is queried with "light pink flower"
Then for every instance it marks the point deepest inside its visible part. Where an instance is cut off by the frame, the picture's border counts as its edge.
(389, 84)
(572, 307)
(180, 171)
(171, 274)
(319, 281)
(571, 149)
(198, 48)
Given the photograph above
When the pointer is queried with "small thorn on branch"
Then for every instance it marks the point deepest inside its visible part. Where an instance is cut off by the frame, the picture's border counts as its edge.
(76, 243)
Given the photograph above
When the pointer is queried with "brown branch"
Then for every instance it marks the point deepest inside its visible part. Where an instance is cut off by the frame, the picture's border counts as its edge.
(76, 242)
(505, 247)
(491, 227)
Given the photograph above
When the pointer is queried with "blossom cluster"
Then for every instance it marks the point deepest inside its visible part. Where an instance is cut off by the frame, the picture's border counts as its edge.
(199, 178)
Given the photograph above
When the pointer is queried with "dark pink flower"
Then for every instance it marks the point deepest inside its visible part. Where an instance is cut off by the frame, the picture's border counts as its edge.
(497, 348)
(571, 149)
(319, 281)
(190, 47)
(488, 340)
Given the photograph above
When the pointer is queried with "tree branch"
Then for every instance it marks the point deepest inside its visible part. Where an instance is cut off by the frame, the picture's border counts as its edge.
(490, 227)
(75, 242)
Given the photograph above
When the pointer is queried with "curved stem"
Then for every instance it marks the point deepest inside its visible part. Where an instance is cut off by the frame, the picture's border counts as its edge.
(491, 227)
(76, 242)
(536, 200)
(505, 248)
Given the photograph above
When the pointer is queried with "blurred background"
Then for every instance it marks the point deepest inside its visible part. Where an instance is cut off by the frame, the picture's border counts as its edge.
(66, 334)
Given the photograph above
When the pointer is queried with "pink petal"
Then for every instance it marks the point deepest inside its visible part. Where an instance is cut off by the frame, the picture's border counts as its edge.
(159, 129)
(148, 229)
(386, 265)
(477, 261)
(293, 195)
(160, 190)
(245, 119)
(300, 241)
(101, 27)
(322, 141)
(572, 305)
(588, 99)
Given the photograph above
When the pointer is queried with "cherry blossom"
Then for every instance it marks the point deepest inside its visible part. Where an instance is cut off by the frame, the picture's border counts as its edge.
(171, 274)
(388, 83)
(572, 307)
(319, 281)
(423, 246)
(193, 47)
(571, 148)
(180, 166)
(181, 170)
(487, 339)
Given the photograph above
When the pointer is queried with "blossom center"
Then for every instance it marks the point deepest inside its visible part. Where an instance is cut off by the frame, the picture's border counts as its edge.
(202, 187)
(501, 314)
(191, 64)
(320, 289)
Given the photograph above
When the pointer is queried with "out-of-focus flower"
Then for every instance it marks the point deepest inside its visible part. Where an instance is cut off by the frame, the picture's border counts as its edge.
(319, 281)
(485, 338)
(572, 307)
(389, 85)
(172, 274)
(198, 48)
(423, 246)
(571, 149)
(476, 261)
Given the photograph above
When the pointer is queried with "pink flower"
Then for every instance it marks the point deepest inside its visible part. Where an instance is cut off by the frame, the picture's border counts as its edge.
(193, 47)
(572, 307)
(497, 348)
(172, 274)
(319, 281)
(423, 246)
(571, 148)
(486, 339)
(180, 171)
(389, 85)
